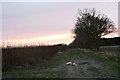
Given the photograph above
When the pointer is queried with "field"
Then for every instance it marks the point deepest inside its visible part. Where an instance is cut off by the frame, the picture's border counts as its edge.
(13, 57)
(101, 64)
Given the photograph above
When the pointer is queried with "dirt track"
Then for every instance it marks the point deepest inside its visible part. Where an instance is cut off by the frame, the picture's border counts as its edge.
(90, 69)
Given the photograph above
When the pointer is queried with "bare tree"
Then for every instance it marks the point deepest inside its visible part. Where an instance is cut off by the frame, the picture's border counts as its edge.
(90, 27)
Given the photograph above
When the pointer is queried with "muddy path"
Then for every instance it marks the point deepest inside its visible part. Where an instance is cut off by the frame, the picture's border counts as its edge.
(85, 68)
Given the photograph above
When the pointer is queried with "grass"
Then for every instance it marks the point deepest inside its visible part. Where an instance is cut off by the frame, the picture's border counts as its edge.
(55, 66)
(21, 56)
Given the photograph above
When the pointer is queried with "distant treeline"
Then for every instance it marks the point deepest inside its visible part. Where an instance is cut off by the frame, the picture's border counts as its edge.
(110, 41)
(103, 42)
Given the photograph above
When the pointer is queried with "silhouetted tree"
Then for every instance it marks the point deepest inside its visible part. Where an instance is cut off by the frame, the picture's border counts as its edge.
(90, 27)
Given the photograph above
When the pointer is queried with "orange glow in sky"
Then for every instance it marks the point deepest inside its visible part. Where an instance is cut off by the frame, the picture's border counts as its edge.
(66, 38)
(47, 40)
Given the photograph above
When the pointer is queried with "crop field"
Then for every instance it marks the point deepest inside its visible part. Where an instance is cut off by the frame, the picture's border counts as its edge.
(101, 64)
(13, 57)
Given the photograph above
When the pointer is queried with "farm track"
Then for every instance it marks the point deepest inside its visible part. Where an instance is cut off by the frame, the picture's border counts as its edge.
(90, 69)
(95, 67)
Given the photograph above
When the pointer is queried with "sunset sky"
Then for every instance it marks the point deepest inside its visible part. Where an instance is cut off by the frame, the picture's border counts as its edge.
(47, 22)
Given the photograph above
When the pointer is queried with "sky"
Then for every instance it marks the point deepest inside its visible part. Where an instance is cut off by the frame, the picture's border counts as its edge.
(47, 22)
